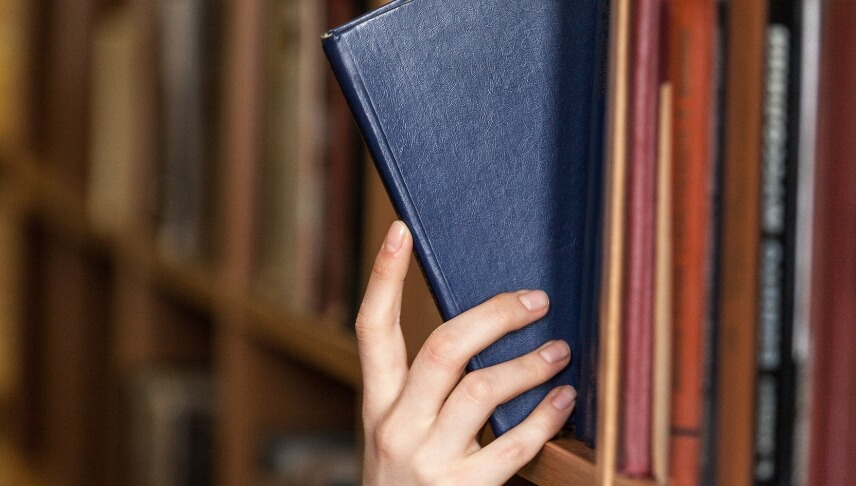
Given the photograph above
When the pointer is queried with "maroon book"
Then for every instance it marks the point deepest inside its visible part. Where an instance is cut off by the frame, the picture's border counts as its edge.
(343, 155)
(833, 301)
(635, 432)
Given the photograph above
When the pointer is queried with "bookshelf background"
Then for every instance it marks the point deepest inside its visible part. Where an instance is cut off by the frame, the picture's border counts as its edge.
(106, 299)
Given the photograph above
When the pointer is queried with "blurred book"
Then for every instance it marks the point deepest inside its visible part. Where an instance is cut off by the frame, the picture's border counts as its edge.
(311, 459)
(114, 47)
(171, 428)
(188, 50)
(291, 219)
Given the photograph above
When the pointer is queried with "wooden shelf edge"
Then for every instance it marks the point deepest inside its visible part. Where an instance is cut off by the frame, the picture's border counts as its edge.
(569, 461)
(321, 342)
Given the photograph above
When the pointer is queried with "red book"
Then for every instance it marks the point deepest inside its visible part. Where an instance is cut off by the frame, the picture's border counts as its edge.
(833, 301)
(635, 438)
(692, 27)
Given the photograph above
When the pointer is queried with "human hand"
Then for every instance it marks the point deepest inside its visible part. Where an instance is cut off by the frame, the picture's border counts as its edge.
(421, 423)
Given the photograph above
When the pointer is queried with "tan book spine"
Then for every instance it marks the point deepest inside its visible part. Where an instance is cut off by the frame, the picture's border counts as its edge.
(611, 295)
(663, 295)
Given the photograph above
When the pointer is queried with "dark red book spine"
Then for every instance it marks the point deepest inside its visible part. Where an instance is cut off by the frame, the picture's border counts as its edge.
(833, 302)
(343, 171)
(635, 434)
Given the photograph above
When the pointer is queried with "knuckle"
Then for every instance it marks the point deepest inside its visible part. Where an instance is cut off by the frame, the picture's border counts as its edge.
(386, 444)
(383, 269)
(441, 349)
(534, 368)
(506, 308)
(362, 325)
(478, 388)
(426, 470)
(516, 452)
(542, 424)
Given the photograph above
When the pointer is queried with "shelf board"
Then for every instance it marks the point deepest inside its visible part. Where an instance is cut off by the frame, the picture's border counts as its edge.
(322, 342)
(569, 461)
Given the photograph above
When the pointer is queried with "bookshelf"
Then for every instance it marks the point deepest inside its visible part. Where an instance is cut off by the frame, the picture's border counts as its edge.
(91, 299)
(103, 302)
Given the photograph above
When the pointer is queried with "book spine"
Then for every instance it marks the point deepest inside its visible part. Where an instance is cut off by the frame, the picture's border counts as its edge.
(343, 152)
(714, 248)
(739, 243)
(635, 441)
(809, 19)
(774, 417)
(586, 429)
(833, 304)
(692, 41)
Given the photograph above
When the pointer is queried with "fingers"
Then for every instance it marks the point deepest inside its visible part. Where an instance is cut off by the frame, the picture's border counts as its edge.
(383, 356)
(478, 394)
(502, 458)
(439, 364)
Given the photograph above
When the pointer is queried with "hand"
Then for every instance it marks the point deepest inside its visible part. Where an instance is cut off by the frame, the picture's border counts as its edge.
(421, 424)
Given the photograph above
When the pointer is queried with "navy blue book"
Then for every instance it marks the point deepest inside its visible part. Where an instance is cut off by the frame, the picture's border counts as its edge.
(479, 117)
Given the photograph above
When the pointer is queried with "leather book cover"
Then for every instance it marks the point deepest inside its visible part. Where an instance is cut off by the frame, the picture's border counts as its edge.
(635, 439)
(478, 117)
(692, 40)
(740, 203)
(833, 305)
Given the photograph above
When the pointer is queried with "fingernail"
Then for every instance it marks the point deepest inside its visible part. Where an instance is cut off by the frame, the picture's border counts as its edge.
(534, 300)
(555, 351)
(395, 237)
(564, 397)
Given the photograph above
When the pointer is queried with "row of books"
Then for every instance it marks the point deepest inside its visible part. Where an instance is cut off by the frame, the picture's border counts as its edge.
(728, 160)
(172, 55)
(726, 150)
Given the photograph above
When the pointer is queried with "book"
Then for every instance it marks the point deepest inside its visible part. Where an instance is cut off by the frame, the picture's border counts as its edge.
(114, 91)
(14, 37)
(587, 391)
(639, 275)
(477, 116)
(188, 49)
(833, 287)
(692, 44)
(662, 380)
(809, 15)
(739, 236)
(312, 459)
(774, 416)
(343, 191)
(293, 177)
(611, 295)
(171, 421)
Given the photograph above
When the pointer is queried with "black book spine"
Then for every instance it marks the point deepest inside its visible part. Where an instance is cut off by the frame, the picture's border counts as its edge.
(774, 392)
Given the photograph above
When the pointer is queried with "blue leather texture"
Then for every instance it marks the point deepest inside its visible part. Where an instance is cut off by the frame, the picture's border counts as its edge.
(478, 114)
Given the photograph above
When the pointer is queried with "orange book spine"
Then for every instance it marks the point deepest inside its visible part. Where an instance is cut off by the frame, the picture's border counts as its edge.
(691, 38)
(740, 243)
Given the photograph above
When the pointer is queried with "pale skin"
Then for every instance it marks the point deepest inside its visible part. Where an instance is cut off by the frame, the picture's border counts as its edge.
(421, 421)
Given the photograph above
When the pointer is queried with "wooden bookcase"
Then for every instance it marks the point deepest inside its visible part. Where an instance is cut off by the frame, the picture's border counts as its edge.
(94, 306)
